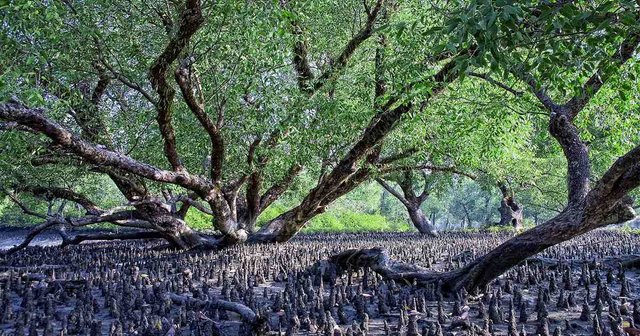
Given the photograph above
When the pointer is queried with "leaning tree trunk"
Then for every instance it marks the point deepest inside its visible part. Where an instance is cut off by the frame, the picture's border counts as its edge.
(588, 208)
(574, 221)
(412, 201)
(421, 222)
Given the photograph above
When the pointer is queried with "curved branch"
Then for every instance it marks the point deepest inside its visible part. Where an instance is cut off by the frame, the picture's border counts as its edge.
(379, 261)
(346, 175)
(595, 82)
(341, 62)
(246, 313)
(191, 20)
(192, 202)
(14, 198)
(62, 193)
(124, 218)
(197, 108)
(30, 236)
(492, 81)
(276, 190)
(306, 81)
(35, 119)
(111, 236)
(393, 192)
(124, 80)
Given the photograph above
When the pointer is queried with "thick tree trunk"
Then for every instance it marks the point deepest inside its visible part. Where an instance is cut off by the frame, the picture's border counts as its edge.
(421, 222)
(570, 223)
(413, 201)
(510, 211)
(588, 208)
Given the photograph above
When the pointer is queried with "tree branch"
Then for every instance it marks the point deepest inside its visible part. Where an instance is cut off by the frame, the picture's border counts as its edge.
(277, 189)
(124, 80)
(191, 20)
(346, 175)
(247, 315)
(14, 198)
(35, 119)
(595, 82)
(112, 236)
(353, 44)
(29, 237)
(306, 81)
(393, 192)
(62, 193)
(492, 81)
(183, 76)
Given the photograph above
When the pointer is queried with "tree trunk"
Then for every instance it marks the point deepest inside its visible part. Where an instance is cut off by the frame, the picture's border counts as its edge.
(588, 208)
(421, 222)
(510, 211)
(570, 223)
(412, 201)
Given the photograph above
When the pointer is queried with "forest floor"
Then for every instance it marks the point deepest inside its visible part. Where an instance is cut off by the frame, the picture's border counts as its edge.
(120, 288)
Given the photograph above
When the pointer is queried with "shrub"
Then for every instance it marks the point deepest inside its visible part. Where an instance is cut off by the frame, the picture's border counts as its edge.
(353, 222)
(198, 220)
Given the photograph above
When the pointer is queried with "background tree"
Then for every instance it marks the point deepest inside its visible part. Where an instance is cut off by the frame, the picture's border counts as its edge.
(565, 87)
(184, 53)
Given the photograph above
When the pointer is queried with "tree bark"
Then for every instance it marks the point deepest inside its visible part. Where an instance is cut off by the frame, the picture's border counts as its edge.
(588, 209)
(412, 201)
(421, 222)
(511, 212)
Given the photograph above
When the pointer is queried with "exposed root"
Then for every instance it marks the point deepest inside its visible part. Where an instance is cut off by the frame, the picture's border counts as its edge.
(378, 260)
(256, 322)
(111, 236)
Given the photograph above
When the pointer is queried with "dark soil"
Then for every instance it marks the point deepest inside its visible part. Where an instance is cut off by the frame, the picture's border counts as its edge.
(120, 288)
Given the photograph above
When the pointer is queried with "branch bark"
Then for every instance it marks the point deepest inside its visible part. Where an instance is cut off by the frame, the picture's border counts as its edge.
(62, 193)
(35, 119)
(306, 81)
(190, 21)
(346, 175)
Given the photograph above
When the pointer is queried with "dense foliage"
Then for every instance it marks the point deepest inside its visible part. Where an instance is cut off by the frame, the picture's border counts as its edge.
(278, 114)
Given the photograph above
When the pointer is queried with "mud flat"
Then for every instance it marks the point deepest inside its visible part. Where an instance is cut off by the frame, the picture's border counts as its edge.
(583, 287)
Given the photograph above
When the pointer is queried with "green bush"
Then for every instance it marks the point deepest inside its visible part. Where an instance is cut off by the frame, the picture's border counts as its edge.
(353, 222)
(340, 221)
(499, 228)
(198, 220)
(626, 228)
(270, 213)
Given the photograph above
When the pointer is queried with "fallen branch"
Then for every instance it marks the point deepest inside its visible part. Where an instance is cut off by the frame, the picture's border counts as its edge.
(30, 236)
(247, 314)
(111, 236)
(378, 260)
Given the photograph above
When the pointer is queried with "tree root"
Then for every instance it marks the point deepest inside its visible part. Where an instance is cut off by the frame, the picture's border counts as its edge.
(378, 260)
(256, 322)
(111, 236)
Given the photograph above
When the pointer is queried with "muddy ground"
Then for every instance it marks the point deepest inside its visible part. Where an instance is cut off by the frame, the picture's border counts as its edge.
(129, 288)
